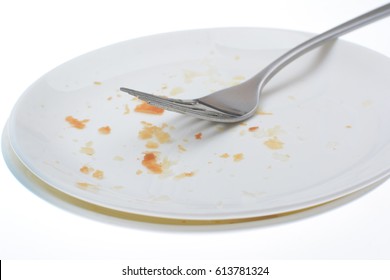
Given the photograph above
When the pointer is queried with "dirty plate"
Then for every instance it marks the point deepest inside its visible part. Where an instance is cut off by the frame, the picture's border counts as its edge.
(321, 131)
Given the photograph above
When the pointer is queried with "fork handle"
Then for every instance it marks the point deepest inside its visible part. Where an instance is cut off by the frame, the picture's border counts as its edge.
(267, 73)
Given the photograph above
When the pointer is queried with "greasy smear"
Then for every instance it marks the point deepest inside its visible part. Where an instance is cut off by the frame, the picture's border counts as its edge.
(148, 109)
(76, 123)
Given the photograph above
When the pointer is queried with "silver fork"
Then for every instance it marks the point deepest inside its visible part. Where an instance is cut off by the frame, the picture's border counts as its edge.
(240, 102)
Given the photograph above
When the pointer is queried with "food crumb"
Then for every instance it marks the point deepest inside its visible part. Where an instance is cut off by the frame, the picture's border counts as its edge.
(149, 131)
(76, 123)
(109, 98)
(98, 174)
(88, 150)
(148, 109)
(181, 148)
(348, 126)
(150, 162)
(260, 112)
(185, 175)
(97, 83)
(238, 157)
(225, 155)
(253, 128)
(274, 143)
(127, 110)
(198, 136)
(105, 130)
(139, 172)
(152, 145)
(85, 169)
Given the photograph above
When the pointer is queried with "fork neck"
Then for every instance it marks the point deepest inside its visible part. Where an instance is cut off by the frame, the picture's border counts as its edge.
(267, 73)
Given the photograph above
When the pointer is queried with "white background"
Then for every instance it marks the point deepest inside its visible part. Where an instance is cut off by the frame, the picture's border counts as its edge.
(36, 36)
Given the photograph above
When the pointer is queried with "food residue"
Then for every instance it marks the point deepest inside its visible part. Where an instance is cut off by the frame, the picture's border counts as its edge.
(253, 128)
(148, 109)
(88, 150)
(98, 174)
(85, 169)
(185, 175)
(97, 83)
(152, 145)
(238, 157)
(274, 143)
(139, 172)
(225, 155)
(150, 162)
(260, 112)
(105, 130)
(181, 148)
(198, 136)
(348, 126)
(127, 110)
(76, 123)
(149, 131)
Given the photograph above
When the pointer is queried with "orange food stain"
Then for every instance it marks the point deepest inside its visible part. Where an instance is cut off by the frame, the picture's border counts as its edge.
(253, 128)
(198, 136)
(150, 162)
(150, 131)
(148, 109)
(105, 130)
(151, 145)
(75, 122)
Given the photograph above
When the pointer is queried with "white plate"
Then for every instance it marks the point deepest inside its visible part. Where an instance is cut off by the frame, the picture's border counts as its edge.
(326, 134)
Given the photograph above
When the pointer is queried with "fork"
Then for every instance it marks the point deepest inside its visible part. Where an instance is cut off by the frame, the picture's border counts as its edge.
(240, 102)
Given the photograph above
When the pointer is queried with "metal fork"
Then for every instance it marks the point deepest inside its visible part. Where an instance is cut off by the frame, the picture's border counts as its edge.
(240, 102)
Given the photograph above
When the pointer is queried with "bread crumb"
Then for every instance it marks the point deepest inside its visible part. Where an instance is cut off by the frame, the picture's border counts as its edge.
(198, 136)
(149, 131)
(152, 145)
(238, 157)
(274, 143)
(185, 175)
(148, 109)
(225, 155)
(150, 162)
(181, 148)
(85, 169)
(105, 130)
(127, 110)
(98, 174)
(76, 123)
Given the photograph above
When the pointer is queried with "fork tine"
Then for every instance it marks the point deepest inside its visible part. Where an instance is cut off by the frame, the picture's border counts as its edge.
(143, 95)
(178, 105)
